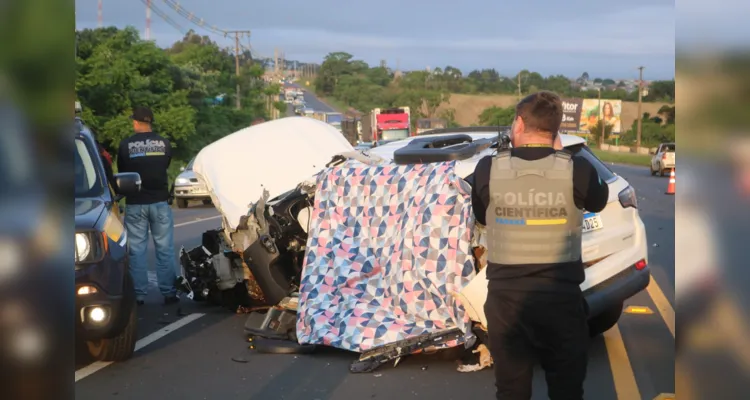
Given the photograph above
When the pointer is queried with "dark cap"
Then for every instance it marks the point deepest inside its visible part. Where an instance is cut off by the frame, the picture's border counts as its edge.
(142, 114)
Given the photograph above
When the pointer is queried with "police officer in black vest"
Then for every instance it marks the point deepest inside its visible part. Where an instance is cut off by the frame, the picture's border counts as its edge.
(531, 199)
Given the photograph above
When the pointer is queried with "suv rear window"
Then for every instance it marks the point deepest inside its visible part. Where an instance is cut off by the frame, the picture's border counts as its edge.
(583, 151)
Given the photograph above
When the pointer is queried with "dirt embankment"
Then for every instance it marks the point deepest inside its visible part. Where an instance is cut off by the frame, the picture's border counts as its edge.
(468, 107)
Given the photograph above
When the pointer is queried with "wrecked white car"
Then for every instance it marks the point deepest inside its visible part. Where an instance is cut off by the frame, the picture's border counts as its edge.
(376, 252)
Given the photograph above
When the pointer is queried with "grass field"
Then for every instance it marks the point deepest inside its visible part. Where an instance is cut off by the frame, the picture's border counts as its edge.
(623, 158)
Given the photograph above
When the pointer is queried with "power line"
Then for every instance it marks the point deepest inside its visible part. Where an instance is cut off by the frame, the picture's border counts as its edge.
(174, 5)
(166, 18)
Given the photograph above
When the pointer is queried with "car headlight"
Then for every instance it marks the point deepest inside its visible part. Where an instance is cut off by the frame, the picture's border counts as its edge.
(628, 198)
(182, 181)
(90, 246)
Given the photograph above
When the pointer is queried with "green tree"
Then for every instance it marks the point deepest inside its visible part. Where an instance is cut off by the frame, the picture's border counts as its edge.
(596, 131)
(661, 91)
(497, 116)
(189, 86)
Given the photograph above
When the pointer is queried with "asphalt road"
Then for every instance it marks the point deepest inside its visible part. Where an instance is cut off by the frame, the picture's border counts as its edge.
(313, 102)
(193, 359)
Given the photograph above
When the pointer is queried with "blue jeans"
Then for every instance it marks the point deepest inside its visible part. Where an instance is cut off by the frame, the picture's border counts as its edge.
(157, 217)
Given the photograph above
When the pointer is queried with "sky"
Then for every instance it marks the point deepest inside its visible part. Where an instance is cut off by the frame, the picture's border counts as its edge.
(607, 39)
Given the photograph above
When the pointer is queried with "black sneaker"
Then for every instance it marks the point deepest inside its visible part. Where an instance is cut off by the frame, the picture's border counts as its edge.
(171, 300)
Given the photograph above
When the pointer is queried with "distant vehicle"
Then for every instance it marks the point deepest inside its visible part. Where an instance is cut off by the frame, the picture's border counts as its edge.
(428, 124)
(308, 112)
(105, 303)
(363, 146)
(332, 118)
(663, 159)
(187, 187)
(387, 125)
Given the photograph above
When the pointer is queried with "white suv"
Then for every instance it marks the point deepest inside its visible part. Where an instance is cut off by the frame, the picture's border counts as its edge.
(266, 219)
(615, 249)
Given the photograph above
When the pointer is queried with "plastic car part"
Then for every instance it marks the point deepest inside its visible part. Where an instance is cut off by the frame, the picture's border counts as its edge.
(372, 359)
(262, 257)
(279, 324)
(439, 149)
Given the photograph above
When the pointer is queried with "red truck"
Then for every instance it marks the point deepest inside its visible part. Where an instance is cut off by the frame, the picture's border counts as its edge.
(386, 125)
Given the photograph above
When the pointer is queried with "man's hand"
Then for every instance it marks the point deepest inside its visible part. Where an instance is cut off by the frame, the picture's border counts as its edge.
(170, 199)
(558, 143)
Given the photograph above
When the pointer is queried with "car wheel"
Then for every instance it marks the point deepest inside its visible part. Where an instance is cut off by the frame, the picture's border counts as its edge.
(604, 321)
(182, 203)
(120, 347)
(653, 173)
(206, 202)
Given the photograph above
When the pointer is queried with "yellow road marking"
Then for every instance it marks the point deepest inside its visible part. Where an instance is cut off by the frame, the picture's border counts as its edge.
(665, 396)
(662, 304)
(619, 362)
(638, 310)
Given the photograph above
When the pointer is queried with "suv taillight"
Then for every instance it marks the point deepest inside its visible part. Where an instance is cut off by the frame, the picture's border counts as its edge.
(664, 156)
(627, 198)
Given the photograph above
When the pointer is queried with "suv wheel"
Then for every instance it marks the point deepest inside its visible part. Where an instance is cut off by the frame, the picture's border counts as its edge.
(120, 347)
(182, 203)
(206, 202)
(607, 319)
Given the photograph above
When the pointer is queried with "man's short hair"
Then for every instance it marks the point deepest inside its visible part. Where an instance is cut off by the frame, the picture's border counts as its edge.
(541, 111)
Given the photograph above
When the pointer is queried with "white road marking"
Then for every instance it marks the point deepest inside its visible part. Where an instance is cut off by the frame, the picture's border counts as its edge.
(92, 368)
(196, 221)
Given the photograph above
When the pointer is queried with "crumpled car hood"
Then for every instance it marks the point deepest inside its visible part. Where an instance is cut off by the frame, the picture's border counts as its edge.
(275, 156)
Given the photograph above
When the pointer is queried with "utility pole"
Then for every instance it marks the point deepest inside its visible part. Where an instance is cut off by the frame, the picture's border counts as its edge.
(601, 117)
(148, 19)
(99, 17)
(519, 86)
(275, 61)
(640, 112)
(237, 61)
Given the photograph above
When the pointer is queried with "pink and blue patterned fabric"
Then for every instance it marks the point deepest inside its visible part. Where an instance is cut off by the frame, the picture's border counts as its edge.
(388, 246)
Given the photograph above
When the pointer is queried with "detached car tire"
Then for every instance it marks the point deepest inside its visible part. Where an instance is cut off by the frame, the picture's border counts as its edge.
(120, 347)
(604, 321)
(182, 203)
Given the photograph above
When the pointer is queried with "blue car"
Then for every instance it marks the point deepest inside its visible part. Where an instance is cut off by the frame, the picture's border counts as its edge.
(105, 302)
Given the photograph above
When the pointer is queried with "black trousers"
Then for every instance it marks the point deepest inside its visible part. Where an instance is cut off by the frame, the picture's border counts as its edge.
(525, 328)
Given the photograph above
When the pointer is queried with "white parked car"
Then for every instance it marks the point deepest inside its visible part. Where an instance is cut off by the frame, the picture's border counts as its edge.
(188, 187)
(269, 234)
(663, 159)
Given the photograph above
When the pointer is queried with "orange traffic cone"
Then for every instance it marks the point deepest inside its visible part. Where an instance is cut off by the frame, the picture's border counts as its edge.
(670, 187)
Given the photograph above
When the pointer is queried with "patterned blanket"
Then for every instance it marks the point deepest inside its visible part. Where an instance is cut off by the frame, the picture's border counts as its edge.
(388, 248)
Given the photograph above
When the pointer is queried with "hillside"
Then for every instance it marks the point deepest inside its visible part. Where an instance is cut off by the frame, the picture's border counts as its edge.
(468, 107)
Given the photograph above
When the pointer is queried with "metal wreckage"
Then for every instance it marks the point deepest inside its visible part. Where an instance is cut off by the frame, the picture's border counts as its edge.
(369, 253)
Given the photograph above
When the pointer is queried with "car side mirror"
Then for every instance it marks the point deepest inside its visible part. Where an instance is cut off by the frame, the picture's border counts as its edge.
(128, 183)
(182, 169)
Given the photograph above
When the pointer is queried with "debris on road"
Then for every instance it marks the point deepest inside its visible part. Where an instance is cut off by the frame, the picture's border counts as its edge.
(485, 360)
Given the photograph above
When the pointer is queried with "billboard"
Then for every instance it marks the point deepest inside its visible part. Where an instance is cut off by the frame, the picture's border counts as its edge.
(580, 115)
(571, 115)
